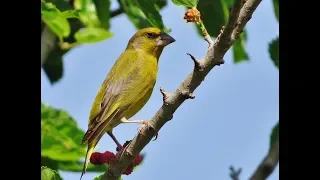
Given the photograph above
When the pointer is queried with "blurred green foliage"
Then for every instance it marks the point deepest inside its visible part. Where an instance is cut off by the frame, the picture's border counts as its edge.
(60, 142)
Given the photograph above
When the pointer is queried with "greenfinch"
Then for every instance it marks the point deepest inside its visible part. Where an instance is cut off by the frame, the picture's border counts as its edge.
(127, 87)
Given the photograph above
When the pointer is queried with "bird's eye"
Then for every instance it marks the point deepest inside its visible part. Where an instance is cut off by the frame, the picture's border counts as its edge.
(150, 35)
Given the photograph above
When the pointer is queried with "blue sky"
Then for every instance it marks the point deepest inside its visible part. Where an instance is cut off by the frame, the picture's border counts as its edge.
(228, 123)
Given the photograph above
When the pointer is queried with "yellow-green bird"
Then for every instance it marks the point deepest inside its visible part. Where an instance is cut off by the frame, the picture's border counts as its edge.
(127, 87)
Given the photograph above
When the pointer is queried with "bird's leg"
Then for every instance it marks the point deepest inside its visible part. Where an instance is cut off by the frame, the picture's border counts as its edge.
(143, 122)
(114, 139)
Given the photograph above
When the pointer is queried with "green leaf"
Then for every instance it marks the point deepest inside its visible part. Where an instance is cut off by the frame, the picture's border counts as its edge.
(71, 166)
(49, 174)
(70, 14)
(100, 177)
(135, 14)
(62, 5)
(103, 12)
(92, 35)
(214, 14)
(187, 3)
(88, 13)
(239, 53)
(53, 66)
(219, 11)
(60, 135)
(274, 134)
(52, 17)
(276, 8)
(274, 51)
(151, 12)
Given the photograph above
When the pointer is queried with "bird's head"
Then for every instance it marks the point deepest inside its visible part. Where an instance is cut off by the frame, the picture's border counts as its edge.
(151, 40)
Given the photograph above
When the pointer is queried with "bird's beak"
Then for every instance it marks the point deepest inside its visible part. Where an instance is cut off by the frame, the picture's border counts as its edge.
(165, 39)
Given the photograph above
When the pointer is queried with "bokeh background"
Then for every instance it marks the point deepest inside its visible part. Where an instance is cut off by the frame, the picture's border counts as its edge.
(228, 123)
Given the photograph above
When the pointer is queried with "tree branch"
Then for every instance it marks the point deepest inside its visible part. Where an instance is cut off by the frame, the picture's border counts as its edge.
(116, 12)
(213, 57)
(268, 164)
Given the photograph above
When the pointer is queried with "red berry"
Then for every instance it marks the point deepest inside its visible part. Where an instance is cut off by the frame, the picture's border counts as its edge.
(108, 157)
(128, 171)
(138, 160)
(97, 158)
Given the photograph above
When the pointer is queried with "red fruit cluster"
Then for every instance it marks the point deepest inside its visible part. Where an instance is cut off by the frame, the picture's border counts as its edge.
(98, 158)
(108, 157)
(192, 15)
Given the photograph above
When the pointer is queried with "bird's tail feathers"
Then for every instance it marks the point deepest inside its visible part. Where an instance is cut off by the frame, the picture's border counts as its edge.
(91, 147)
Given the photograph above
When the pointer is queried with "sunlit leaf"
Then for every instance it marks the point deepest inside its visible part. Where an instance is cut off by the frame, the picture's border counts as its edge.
(187, 3)
(62, 5)
(88, 14)
(274, 51)
(49, 174)
(92, 35)
(103, 12)
(60, 135)
(52, 17)
(70, 14)
(71, 166)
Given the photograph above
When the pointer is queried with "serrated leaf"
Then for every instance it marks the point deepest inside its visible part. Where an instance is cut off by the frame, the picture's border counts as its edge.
(274, 134)
(187, 3)
(274, 51)
(276, 8)
(239, 53)
(103, 12)
(60, 135)
(92, 35)
(51, 16)
(49, 174)
(151, 12)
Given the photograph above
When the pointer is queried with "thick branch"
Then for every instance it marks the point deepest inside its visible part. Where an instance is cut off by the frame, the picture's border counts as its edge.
(268, 164)
(213, 57)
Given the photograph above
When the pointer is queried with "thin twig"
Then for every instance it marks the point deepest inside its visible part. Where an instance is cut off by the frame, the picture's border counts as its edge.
(268, 164)
(116, 12)
(213, 57)
(235, 174)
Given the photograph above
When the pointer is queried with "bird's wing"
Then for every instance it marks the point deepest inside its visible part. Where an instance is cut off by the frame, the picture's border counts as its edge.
(106, 105)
